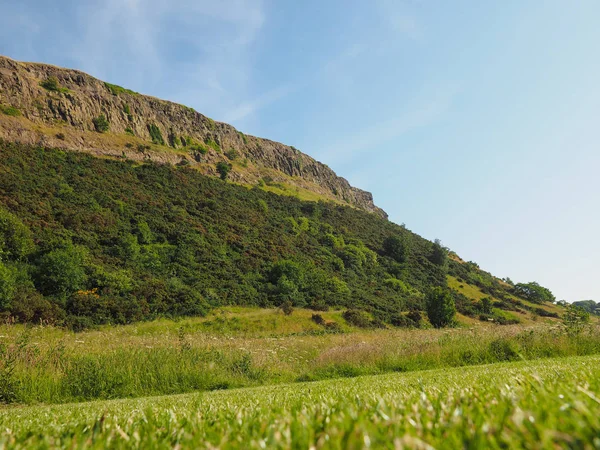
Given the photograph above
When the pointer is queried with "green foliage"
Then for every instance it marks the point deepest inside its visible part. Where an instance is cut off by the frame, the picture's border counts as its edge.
(61, 272)
(287, 307)
(397, 247)
(223, 168)
(231, 154)
(101, 124)
(129, 131)
(16, 240)
(575, 319)
(212, 144)
(52, 84)
(439, 254)
(155, 240)
(588, 305)
(155, 134)
(117, 90)
(10, 110)
(7, 286)
(440, 307)
(534, 292)
(244, 138)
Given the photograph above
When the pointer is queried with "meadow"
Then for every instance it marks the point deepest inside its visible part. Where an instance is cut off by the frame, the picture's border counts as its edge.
(552, 403)
(238, 347)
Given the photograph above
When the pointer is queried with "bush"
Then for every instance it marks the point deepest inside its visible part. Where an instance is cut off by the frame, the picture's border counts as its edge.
(287, 307)
(52, 84)
(318, 319)
(61, 272)
(129, 131)
(223, 168)
(357, 318)
(155, 134)
(440, 307)
(231, 154)
(101, 124)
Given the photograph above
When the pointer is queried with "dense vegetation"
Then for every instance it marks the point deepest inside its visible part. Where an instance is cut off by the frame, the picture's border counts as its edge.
(550, 404)
(87, 241)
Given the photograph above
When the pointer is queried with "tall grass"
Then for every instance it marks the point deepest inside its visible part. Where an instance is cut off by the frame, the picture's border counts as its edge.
(45, 364)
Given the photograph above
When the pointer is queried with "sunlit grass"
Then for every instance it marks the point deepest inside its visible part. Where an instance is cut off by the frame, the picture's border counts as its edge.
(545, 404)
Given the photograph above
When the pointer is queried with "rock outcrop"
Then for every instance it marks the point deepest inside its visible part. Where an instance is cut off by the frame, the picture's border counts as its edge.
(62, 113)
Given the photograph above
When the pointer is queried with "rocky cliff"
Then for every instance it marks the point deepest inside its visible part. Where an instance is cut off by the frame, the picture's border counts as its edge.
(56, 107)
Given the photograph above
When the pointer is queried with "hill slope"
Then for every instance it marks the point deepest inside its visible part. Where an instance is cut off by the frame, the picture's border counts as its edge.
(61, 108)
(92, 240)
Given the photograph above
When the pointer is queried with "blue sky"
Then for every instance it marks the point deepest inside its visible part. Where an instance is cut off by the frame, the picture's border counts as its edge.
(474, 122)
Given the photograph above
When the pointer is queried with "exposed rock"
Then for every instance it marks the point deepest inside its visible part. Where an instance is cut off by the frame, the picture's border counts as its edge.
(64, 118)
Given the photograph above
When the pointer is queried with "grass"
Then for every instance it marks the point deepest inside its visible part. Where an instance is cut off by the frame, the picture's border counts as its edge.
(549, 404)
(238, 347)
(10, 111)
(116, 89)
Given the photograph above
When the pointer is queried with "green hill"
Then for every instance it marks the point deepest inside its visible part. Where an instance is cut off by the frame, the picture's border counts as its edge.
(88, 240)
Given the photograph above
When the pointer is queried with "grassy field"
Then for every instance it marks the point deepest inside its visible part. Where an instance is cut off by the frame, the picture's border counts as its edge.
(242, 347)
(544, 404)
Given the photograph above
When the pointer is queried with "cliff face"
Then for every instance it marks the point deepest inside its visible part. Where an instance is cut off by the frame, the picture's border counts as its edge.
(63, 116)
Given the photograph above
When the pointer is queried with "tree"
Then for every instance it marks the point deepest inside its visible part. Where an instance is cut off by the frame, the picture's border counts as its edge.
(534, 292)
(16, 240)
(223, 168)
(439, 253)
(62, 271)
(486, 305)
(440, 307)
(396, 247)
(575, 319)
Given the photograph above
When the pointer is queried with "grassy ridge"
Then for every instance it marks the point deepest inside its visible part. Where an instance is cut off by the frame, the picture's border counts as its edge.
(52, 365)
(546, 404)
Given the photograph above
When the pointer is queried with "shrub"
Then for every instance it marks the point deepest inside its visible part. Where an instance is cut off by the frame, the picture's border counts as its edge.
(287, 307)
(575, 319)
(440, 307)
(223, 168)
(52, 84)
(318, 319)
(60, 136)
(16, 240)
(129, 131)
(155, 134)
(101, 124)
(62, 271)
(357, 318)
(231, 154)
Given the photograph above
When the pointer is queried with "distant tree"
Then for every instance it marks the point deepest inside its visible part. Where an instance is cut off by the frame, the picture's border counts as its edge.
(589, 305)
(223, 168)
(16, 240)
(575, 319)
(62, 272)
(396, 247)
(486, 305)
(440, 307)
(534, 292)
(439, 253)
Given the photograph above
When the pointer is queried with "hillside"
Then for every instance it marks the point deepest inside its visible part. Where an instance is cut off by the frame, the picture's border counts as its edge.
(89, 240)
(46, 105)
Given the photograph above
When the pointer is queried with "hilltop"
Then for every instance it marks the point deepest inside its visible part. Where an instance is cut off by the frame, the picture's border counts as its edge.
(62, 108)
